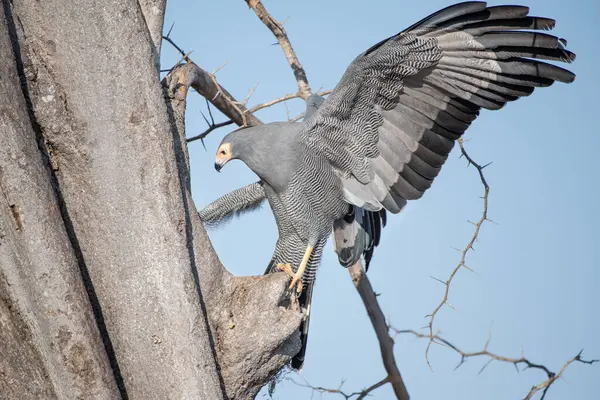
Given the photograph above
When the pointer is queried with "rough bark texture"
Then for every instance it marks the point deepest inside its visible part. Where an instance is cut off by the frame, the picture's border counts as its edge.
(104, 262)
(154, 14)
(48, 335)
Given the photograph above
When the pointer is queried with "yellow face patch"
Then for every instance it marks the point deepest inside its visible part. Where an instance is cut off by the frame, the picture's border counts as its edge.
(223, 155)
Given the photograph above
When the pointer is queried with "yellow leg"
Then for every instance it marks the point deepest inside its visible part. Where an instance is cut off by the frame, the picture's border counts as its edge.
(301, 269)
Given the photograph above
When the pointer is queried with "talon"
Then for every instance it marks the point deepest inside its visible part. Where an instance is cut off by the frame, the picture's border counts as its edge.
(298, 283)
(287, 268)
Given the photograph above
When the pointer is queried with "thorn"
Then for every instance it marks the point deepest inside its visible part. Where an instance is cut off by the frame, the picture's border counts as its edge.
(205, 119)
(170, 29)
(486, 165)
(217, 70)
(485, 365)
(451, 306)
(203, 144)
(209, 111)
(467, 267)
(439, 280)
(462, 361)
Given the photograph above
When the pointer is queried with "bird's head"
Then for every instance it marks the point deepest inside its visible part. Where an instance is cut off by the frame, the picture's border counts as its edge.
(223, 156)
(269, 150)
(232, 147)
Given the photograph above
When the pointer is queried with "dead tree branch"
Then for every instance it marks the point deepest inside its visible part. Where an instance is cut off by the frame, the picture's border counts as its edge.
(464, 251)
(386, 343)
(282, 99)
(205, 83)
(464, 356)
(359, 395)
(279, 32)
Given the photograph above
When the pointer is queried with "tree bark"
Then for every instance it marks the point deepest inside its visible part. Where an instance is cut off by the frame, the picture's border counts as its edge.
(50, 345)
(109, 285)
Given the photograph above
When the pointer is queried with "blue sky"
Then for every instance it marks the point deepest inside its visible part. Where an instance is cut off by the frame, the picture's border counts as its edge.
(536, 269)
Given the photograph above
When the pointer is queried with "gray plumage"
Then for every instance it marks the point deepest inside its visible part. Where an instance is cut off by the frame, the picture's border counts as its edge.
(385, 131)
(356, 234)
(233, 204)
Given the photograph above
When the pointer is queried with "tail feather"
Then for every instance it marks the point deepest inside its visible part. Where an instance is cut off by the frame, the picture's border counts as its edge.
(304, 300)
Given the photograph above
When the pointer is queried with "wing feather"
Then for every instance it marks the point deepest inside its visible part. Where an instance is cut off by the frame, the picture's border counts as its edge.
(390, 123)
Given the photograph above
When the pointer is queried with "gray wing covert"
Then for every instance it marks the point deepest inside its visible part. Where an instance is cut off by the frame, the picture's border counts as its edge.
(390, 123)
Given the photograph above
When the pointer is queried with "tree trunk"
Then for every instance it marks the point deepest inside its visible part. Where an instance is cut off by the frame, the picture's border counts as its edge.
(108, 284)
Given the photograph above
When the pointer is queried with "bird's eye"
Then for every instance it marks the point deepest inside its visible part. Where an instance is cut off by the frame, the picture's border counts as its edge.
(223, 152)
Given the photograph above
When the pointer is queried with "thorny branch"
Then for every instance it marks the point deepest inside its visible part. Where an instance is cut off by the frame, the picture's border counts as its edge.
(464, 251)
(282, 99)
(359, 395)
(279, 32)
(386, 343)
(464, 356)
(211, 126)
(190, 74)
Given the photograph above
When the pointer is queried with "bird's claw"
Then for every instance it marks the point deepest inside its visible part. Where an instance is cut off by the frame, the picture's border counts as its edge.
(296, 281)
(287, 268)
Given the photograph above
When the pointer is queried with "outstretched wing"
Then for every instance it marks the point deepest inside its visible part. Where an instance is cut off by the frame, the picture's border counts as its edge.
(389, 124)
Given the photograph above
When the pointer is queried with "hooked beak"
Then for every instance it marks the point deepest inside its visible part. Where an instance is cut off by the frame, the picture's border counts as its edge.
(223, 156)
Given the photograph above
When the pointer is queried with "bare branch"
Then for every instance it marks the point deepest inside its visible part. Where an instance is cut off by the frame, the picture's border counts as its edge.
(348, 396)
(464, 356)
(464, 251)
(279, 32)
(386, 343)
(282, 99)
(172, 43)
(210, 128)
(191, 75)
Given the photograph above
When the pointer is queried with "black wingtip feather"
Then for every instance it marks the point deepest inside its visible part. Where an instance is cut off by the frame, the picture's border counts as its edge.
(448, 13)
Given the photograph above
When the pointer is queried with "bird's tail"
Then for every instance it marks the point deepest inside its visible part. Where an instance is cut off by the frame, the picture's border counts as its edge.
(305, 298)
(304, 301)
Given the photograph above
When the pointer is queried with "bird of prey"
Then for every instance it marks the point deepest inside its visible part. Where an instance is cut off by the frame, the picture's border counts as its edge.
(356, 234)
(383, 134)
